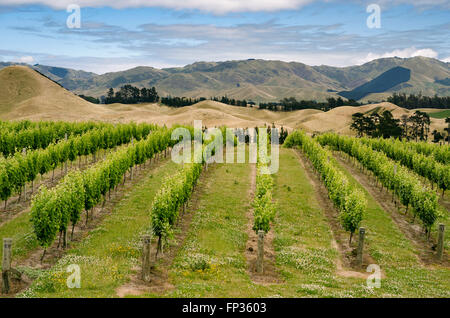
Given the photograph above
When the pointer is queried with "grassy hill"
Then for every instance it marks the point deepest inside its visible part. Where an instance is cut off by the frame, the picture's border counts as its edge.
(262, 80)
(27, 94)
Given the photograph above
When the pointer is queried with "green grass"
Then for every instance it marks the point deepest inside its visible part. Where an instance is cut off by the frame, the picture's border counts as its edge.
(440, 114)
(304, 253)
(108, 254)
(216, 238)
(397, 257)
(20, 230)
(212, 263)
(305, 258)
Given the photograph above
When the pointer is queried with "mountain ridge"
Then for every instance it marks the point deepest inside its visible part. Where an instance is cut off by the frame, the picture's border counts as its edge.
(259, 80)
(27, 94)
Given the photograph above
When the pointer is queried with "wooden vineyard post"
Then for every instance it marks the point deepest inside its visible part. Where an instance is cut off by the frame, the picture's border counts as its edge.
(65, 238)
(146, 265)
(260, 256)
(6, 264)
(65, 164)
(131, 170)
(24, 152)
(440, 245)
(359, 252)
(448, 134)
(393, 196)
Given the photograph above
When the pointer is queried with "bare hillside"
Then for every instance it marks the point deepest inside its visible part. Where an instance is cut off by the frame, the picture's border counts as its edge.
(25, 94)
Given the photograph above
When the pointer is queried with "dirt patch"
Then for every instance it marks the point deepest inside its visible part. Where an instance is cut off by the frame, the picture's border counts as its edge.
(81, 230)
(18, 282)
(270, 274)
(159, 275)
(444, 200)
(412, 231)
(346, 262)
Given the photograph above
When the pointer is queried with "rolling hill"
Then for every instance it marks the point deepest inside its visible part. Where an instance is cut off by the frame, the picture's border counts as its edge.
(26, 94)
(262, 80)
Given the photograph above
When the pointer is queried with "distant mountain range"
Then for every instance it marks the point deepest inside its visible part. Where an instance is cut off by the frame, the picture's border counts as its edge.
(262, 80)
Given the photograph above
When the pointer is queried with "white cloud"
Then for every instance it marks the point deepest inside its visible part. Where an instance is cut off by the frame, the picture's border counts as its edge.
(215, 6)
(25, 59)
(418, 3)
(446, 60)
(404, 53)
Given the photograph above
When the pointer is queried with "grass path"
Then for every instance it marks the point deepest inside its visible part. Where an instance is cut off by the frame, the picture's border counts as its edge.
(396, 255)
(212, 263)
(18, 226)
(109, 254)
(303, 238)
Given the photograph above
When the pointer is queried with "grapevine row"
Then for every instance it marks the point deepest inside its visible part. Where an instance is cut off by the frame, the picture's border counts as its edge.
(424, 165)
(18, 125)
(349, 200)
(52, 210)
(263, 207)
(21, 168)
(39, 135)
(175, 193)
(441, 153)
(405, 184)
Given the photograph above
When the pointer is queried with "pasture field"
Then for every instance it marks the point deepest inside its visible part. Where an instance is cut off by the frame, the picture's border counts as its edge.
(440, 114)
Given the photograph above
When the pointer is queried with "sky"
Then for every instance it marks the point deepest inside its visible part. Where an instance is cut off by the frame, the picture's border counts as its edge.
(115, 35)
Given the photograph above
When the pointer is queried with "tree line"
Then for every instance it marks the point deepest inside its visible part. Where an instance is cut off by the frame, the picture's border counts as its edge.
(233, 102)
(90, 99)
(180, 101)
(129, 94)
(291, 104)
(418, 101)
(415, 127)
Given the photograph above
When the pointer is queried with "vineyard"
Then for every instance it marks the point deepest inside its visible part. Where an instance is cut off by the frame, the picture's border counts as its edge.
(342, 217)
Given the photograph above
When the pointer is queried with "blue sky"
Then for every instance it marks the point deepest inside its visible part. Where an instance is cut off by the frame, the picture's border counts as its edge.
(175, 33)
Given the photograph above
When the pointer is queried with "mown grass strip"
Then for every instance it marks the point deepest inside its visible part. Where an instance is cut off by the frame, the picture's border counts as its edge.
(397, 257)
(304, 252)
(212, 262)
(108, 254)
